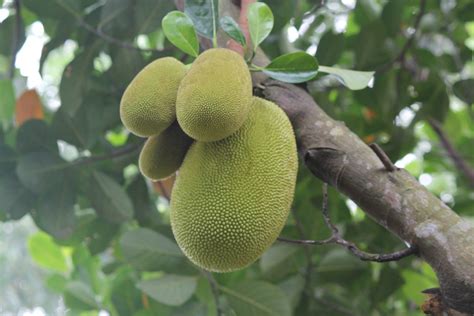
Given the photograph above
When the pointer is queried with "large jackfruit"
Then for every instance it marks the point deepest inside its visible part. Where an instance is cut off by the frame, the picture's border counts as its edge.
(163, 154)
(232, 197)
(215, 96)
(148, 105)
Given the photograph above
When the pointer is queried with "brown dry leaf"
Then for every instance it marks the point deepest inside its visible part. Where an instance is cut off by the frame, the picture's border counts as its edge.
(164, 187)
(28, 106)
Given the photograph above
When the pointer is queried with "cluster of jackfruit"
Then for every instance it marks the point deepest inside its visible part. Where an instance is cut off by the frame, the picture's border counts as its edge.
(236, 155)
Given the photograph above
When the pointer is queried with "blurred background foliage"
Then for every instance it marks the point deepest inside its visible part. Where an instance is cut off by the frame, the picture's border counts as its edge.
(73, 202)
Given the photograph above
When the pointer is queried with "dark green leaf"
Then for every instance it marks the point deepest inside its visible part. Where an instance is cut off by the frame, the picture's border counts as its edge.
(7, 33)
(354, 80)
(74, 81)
(46, 253)
(204, 14)
(330, 48)
(145, 211)
(257, 298)
(53, 8)
(293, 67)
(55, 212)
(392, 15)
(179, 30)
(464, 90)
(7, 159)
(170, 289)
(232, 29)
(109, 199)
(147, 250)
(15, 199)
(116, 19)
(79, 295)
(40, 171)
(260, 18)
(35, 136)
(148, 14)
(7, 101)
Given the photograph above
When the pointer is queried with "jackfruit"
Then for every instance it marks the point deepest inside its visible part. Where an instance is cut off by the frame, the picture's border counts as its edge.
(215, 96)
(148, 105)
(164, 153)
(231, 198)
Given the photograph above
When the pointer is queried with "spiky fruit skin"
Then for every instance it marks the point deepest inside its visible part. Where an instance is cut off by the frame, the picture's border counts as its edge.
(215, 96)
(231, 198)
(148, 105)
(163, 154)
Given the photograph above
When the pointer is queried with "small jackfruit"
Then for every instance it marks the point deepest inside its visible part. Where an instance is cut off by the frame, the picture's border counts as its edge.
(231, 198)
(148, 105)
(215, 96)
(163, 154)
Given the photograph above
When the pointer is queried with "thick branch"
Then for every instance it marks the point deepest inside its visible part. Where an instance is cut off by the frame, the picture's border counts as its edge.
(457, 159)
(394, 199)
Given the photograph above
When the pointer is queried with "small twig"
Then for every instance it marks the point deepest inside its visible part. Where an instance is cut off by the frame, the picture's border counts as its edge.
(214, 289)
(15, 38)
(123, 151)
(455, 156)
(315, 8)
(336, 238)
(388, 164)
(401, 56)
(116, 41)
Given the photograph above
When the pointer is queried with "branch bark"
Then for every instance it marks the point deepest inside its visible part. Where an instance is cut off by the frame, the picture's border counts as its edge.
(394, 199)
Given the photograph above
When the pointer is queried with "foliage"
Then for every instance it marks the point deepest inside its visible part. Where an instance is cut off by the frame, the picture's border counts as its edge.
(106, 241)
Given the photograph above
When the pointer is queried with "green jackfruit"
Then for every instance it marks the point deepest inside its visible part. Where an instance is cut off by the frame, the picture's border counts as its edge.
(215, 96)
(163, 154)
(148, 105)
(231, 198)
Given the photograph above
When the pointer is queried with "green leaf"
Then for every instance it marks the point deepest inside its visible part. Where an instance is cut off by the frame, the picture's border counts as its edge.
(354, 80)
(464, 90)
(79, 296)
(40, 171)
(232, 29)
(179, 30)
(35, 136)
(257, 298)
(170, 289)
(260, 18)
(147, 250)
(15, 199)
(145, 211)
(148, 14)
(46, 253)
(55, 212)
(293, 67)
(109, 199)
(7, 33)
(330, 48)
(75, 78)
(7, 101)
(204, 14)
(7, 159)
(276, 258)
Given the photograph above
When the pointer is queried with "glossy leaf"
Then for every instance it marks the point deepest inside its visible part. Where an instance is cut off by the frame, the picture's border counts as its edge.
(109, 199)
(232, 29)
(170, 289)
(46, 253)
(260, 18)
(179, 30)
(293, 67)
(204, 14)
(354, 80)
(150, 251)
(464, 90)
(257, 298)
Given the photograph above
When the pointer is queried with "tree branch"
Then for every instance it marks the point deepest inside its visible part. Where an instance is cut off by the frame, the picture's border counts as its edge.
(394, 199)
(120, 152)
(401, 56)
(455, 156)
(336, 238)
